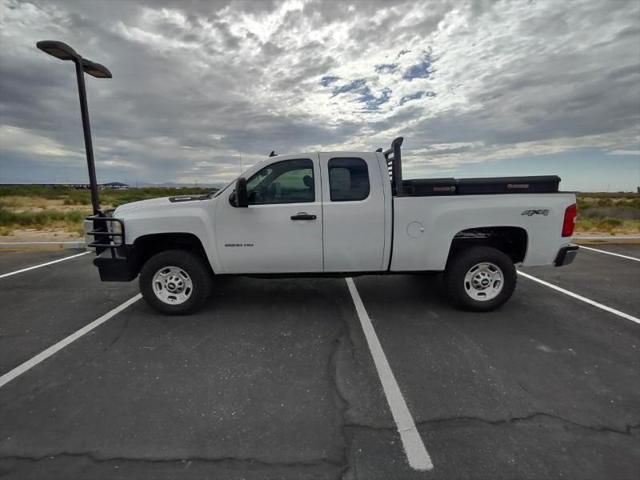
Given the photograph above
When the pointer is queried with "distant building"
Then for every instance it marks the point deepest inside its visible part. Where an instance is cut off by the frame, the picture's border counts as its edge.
(114, 186)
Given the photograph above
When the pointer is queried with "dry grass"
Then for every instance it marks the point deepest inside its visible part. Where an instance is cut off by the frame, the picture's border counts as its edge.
(607, 226)
(62, 209)
(44, 220)
(608, 213)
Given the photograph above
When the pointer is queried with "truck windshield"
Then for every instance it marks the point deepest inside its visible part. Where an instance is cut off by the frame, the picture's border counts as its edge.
(214, 194)
(232, 182)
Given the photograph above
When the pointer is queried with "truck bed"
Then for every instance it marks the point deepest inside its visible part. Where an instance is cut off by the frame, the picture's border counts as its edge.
(425, 187)
(424, 226)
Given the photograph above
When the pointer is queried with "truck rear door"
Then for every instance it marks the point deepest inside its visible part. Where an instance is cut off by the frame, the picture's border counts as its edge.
(355, 223)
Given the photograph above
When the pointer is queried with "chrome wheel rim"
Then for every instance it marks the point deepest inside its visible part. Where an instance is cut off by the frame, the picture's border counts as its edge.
(172, 285)
(484, 281)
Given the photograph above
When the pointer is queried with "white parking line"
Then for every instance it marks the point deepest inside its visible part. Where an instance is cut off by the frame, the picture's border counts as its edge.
(42, 356)
(4, 275)
(414, 448)
(582, 247)
(626, 316)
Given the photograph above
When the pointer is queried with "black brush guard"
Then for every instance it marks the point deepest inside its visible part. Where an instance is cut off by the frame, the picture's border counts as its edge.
(104, 238)
(116, 261)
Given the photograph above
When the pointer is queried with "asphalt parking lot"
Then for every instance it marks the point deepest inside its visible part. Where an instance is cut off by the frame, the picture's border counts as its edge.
(276, 379)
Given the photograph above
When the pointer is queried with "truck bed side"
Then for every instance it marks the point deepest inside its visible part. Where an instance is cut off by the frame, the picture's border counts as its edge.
(425, 227)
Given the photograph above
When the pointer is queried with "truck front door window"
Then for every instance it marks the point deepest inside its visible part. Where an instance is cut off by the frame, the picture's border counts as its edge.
(289, 181)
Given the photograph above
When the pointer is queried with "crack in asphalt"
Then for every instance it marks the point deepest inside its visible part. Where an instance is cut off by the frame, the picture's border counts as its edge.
(321, 462)
(342, 338)
(628, 430)
(120, 333)
(342, 404)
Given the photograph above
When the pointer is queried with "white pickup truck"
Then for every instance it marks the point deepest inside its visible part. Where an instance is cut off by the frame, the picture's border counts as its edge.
(338, 214)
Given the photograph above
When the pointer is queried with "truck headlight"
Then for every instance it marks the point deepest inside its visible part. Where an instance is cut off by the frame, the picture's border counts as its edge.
(88, 227)
(116, 229)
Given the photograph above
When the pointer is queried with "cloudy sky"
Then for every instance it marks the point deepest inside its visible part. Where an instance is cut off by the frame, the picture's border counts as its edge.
(201, 88)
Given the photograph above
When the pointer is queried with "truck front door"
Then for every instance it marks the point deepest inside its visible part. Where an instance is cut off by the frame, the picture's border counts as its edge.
(281, 229)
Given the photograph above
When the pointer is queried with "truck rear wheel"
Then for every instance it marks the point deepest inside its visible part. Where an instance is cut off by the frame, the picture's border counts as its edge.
(175, 282)
(480, 279)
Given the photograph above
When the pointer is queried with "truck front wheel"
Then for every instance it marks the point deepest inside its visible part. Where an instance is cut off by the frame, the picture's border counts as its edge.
(175, 282)
(480, 278)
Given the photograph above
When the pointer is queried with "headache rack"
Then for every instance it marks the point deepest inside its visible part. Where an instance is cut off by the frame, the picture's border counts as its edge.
(394, 165)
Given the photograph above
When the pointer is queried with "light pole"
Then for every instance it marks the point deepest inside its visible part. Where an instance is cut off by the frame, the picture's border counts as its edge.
(63, 51)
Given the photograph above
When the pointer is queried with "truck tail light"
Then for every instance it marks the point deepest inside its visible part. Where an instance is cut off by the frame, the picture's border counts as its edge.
(569, 222)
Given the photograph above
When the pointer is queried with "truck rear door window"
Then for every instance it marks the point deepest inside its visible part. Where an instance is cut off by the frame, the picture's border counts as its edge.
(348, 179)
(289, 181)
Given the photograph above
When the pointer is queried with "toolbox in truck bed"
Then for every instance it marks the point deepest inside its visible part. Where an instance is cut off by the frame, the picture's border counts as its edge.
(429, 186)
(423, 187)
(538, 184)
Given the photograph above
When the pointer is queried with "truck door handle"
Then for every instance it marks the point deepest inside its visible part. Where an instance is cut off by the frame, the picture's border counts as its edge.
(303, 216)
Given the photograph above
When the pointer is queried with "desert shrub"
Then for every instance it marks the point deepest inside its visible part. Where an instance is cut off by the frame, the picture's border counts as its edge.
(611, 222)
(40, 219)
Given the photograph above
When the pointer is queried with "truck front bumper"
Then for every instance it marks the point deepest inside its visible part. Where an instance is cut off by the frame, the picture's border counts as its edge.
(566, 255)
(117, 265)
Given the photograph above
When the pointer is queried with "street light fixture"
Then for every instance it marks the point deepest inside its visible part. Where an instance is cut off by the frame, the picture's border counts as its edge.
(58, 49)
(95, 69)
(63, 51)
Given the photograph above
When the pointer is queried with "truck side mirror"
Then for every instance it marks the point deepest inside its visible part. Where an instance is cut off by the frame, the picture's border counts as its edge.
(240, 197)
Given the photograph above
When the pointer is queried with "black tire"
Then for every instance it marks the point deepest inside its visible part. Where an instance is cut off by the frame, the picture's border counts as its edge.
(193, 265)
(463, 262)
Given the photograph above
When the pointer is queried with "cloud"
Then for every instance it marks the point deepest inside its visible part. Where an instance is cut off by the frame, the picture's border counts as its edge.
(416, 96)
(635, 153)
(200, 87)
(386, 68)
(422, 69)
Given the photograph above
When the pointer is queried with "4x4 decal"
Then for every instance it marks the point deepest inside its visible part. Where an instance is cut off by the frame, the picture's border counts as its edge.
(530, 213)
